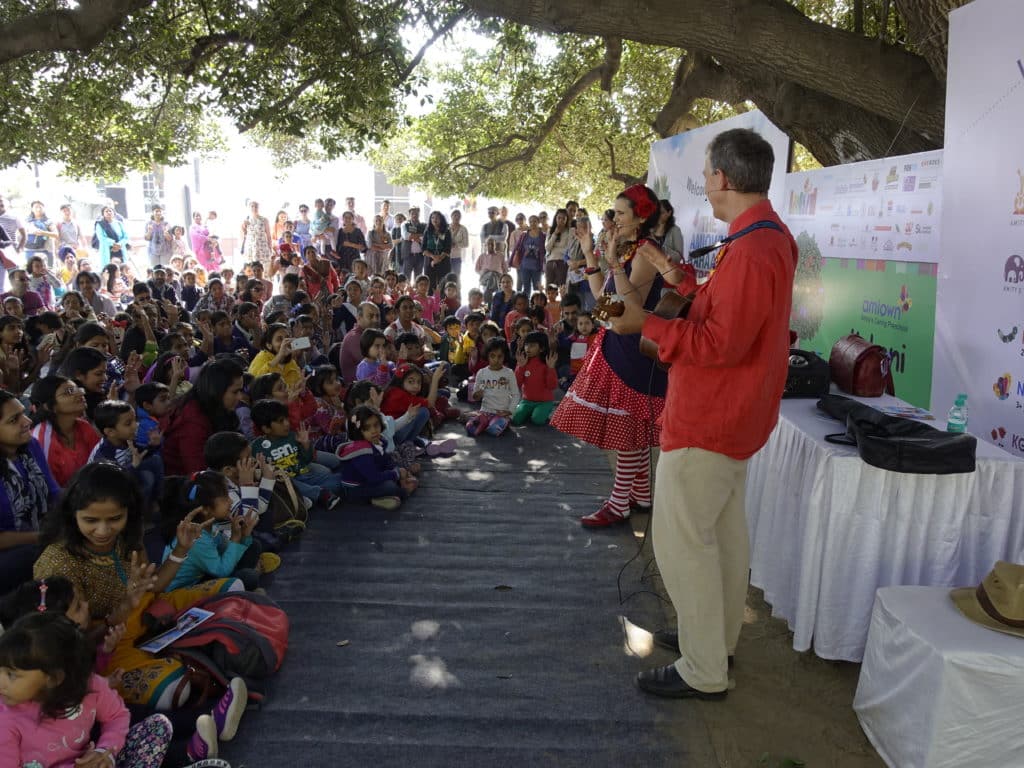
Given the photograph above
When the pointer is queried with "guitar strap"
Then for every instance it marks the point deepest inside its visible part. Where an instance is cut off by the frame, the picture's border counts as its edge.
(763, 224)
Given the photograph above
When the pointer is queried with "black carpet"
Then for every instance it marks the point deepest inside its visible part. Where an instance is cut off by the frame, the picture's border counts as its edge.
(483, 627)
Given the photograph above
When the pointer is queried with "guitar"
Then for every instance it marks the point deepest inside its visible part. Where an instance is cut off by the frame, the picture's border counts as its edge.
(671, 306)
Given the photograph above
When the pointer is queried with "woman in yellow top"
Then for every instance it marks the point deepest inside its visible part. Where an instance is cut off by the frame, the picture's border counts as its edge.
(276, 356)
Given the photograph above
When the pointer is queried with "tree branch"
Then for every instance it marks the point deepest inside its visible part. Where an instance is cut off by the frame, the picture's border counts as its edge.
(440, 32)
(697, 77)
(207, 44)
(606, 69)
(299, 88)
(80, 29)
(751, 37)
(626, 179)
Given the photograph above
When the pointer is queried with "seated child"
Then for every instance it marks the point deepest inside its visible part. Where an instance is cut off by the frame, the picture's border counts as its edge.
(292, 453)
(476, 304)
(580, 343)
(455, 348)
(228, 550)
(53, 702)
(369, 472)
(152, 401)
(374, 366)
(327, 424)
(496, 390)
(536, 377)
(523, 326)
(451, 300)
(251, 484)
(405, 390)
(116, 421)
(300, 401)
(401, 434)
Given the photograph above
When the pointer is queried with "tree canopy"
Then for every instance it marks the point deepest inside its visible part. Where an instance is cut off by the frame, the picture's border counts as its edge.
(566, 96)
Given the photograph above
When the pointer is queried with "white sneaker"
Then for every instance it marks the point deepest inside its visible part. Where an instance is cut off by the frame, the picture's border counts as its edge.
(307, 502)
(386, 502)
(213, 762)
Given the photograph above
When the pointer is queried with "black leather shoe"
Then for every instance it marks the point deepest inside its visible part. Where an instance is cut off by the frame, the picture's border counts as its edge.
(666, 638)
(666, 681)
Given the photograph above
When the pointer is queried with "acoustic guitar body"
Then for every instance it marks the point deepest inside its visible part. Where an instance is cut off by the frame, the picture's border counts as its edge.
(671, 306)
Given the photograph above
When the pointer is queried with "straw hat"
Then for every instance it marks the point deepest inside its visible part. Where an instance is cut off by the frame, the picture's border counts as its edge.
(996, 603)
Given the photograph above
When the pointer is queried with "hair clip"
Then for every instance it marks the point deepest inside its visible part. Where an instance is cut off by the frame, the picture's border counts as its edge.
(43, 586)
(193, 491)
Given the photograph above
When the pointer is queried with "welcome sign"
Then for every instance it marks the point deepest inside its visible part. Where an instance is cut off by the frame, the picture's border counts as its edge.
(676, 173)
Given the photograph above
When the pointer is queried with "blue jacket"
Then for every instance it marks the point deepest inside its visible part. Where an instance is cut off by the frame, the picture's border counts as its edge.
(365, 464)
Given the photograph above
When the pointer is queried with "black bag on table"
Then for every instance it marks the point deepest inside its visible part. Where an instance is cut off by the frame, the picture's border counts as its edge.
(808, 375)
(899, 445)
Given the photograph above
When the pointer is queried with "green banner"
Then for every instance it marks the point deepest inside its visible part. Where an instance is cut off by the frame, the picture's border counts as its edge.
(891, 303)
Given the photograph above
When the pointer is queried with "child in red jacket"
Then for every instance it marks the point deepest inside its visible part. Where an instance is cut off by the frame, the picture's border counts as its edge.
(536, 377)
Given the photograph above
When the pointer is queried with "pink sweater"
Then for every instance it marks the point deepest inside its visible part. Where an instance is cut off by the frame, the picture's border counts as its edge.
(25, 739)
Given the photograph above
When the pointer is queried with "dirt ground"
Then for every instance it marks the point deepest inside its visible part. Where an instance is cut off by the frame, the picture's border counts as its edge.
(787, 709)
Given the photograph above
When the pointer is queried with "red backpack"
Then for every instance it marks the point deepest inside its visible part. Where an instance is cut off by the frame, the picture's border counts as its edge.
(247, 637)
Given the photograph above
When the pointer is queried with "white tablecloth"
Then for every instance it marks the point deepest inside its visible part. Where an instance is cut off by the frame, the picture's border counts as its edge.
(826, 529)
(937, 691)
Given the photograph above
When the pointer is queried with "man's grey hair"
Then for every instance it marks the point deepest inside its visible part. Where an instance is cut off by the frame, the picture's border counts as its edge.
(745, 158)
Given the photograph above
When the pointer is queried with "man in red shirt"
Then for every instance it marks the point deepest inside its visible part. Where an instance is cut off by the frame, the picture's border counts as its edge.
(729, 360)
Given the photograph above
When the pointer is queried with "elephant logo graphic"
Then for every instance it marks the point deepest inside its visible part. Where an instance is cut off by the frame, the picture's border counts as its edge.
(1013, 272)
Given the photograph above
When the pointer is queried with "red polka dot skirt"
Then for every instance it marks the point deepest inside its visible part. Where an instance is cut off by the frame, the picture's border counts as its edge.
(601, 410)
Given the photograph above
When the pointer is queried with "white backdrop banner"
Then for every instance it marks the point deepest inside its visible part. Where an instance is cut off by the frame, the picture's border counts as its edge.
(879, 209)
(676, 173)
(980, 304)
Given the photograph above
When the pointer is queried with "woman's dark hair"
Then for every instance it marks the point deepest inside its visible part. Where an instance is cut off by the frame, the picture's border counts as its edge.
(359, 392)
(370, 335)
(29, 598)
(609, 214)
(670, 222)
(51, 643)
(647, 225)
(360, 415)
(268, 335)
(111, 271)
(321, 375)
(183, 494)
(44, 397)
(224, 449)
(214, 379)
(554, 219)
(444, 222)
(262, 387)
(99, 481)
(162, 367)
(497, 343)
(82, 360)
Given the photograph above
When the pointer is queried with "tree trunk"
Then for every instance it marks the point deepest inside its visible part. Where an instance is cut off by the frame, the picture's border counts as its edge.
(751, 38)
(928, 29)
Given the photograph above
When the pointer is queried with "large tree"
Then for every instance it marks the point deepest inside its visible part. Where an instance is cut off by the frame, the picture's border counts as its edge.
(110, 84)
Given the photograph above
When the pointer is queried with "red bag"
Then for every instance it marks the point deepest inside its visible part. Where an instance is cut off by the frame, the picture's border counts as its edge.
(860, 367)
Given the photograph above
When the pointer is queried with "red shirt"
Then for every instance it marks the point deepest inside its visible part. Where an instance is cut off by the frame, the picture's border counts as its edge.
(537, 380)
(396, 402)
(64, 460)
(731, 355)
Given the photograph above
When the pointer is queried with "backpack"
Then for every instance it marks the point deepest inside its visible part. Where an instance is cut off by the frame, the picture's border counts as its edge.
(247, 637)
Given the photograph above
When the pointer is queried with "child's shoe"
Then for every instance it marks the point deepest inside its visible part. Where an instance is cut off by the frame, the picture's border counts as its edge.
(329, 499)
(386, 502)
(442, 448)
(229, 710)
(269, 562)
(203, 743)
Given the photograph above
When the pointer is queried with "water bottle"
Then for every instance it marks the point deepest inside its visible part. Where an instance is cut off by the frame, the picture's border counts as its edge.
(957, 421)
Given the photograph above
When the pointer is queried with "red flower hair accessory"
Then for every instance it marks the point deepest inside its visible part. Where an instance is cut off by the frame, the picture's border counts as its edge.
(640, 197)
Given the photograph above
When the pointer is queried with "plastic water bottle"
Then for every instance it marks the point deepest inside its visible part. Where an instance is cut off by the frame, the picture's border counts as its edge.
(957, 421)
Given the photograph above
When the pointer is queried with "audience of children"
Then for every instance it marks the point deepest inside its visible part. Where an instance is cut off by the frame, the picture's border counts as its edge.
(165, 437)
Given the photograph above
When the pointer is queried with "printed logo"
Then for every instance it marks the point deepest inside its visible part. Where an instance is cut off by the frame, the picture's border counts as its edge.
(998, 436)
(1002, 386)
(905, 301)
(1006, 338)
(1013, 274)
